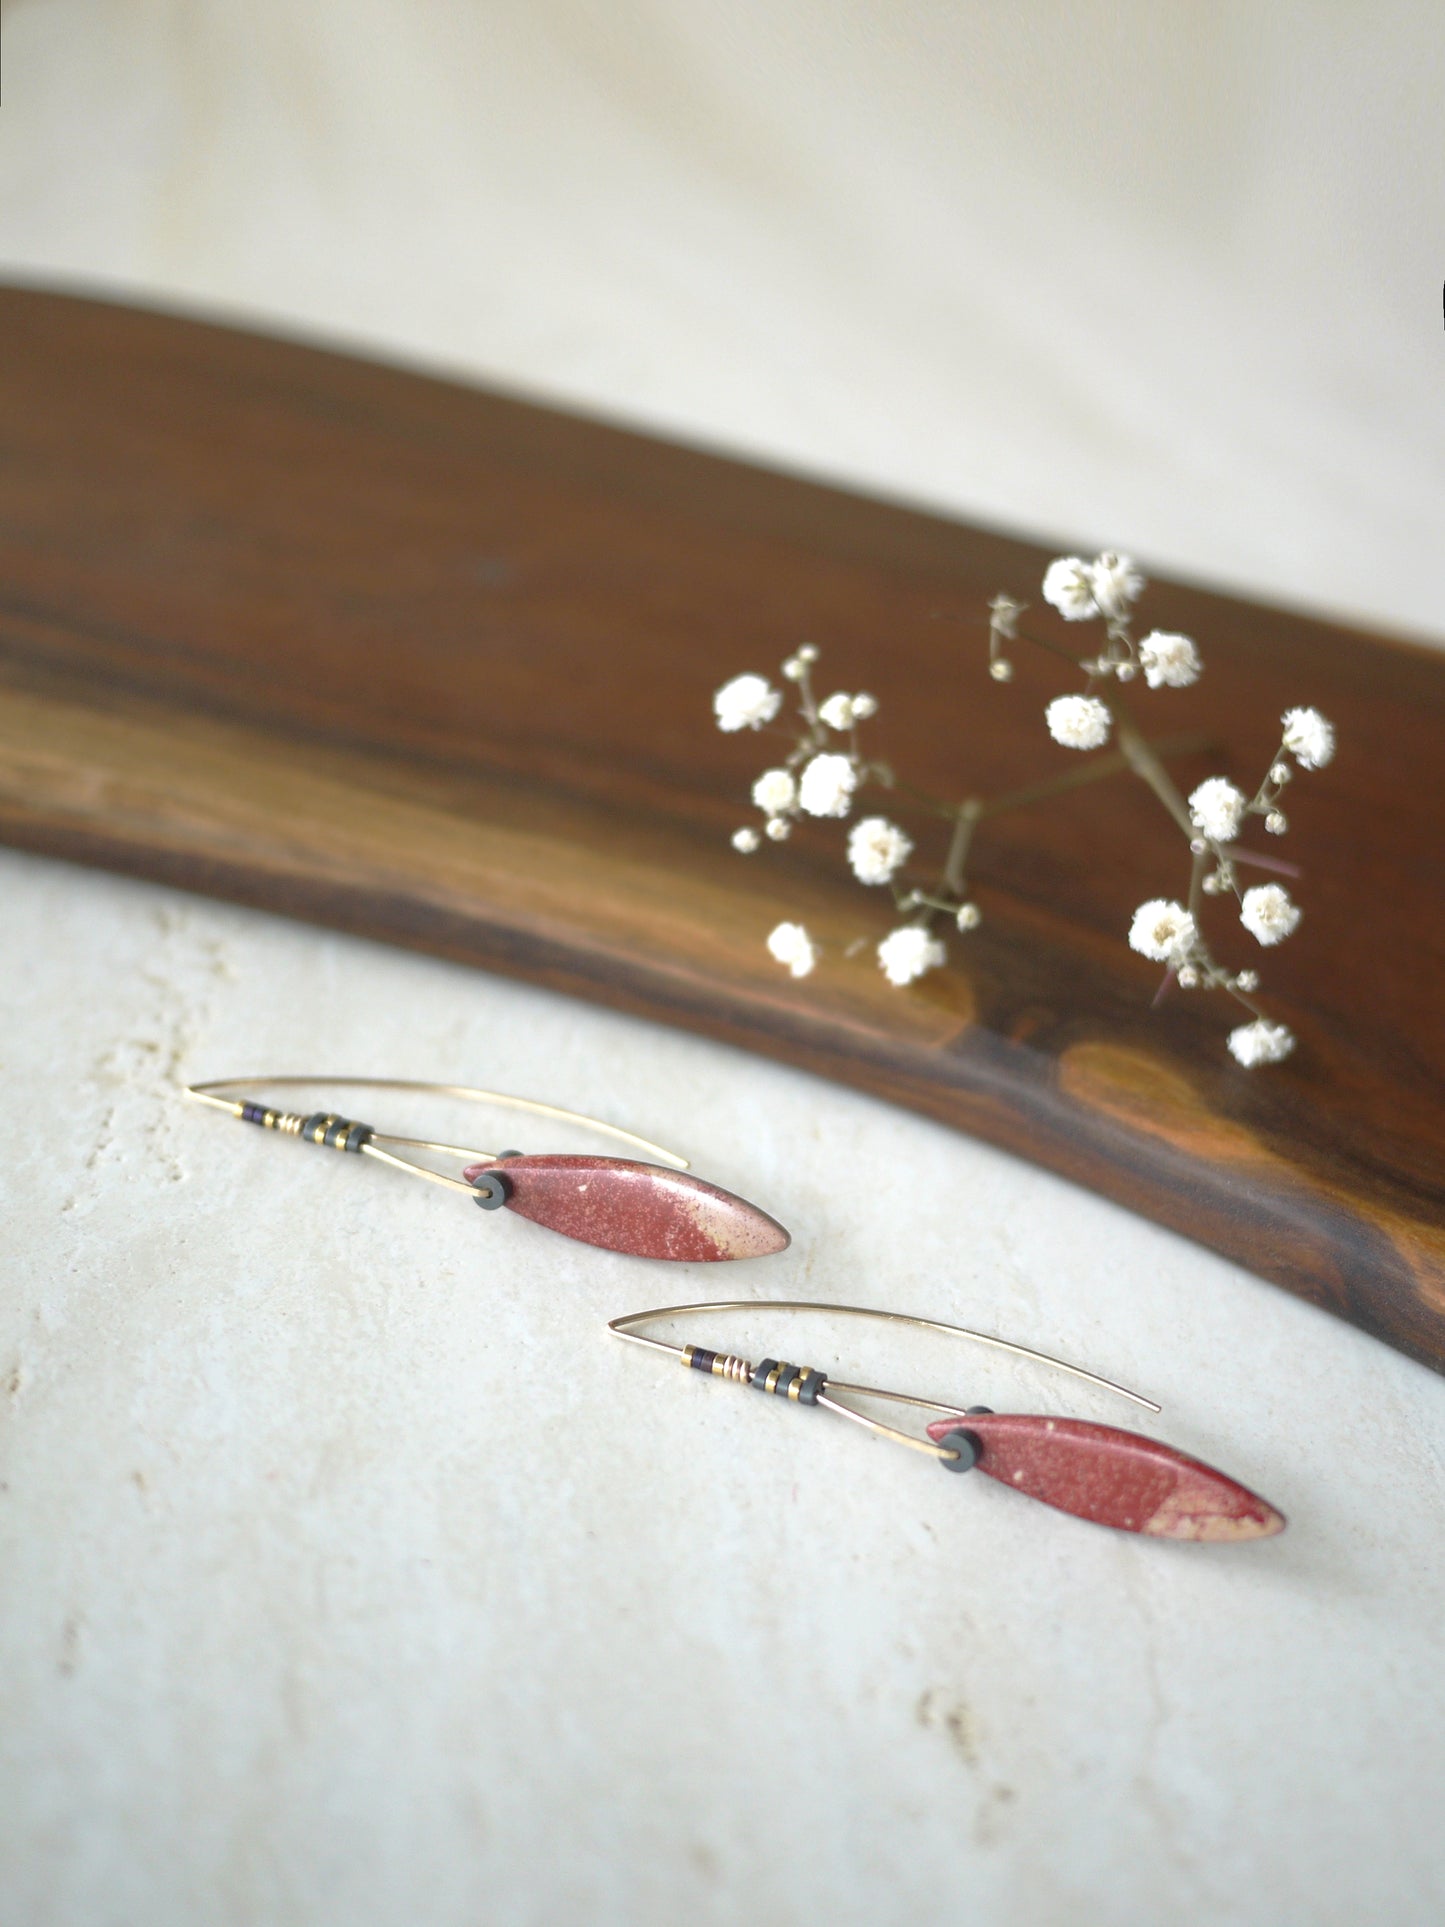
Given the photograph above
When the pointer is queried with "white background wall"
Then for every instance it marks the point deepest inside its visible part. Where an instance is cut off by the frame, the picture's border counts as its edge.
(1166, 276)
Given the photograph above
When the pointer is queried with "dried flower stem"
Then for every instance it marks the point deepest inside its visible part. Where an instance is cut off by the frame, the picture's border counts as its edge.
(1114, 764)
(1142, 758)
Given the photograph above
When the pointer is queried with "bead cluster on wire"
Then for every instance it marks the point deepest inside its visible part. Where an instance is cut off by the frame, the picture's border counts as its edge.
(799, 1383)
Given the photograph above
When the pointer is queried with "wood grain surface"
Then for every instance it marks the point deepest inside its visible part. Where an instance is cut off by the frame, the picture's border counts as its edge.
(434, 665)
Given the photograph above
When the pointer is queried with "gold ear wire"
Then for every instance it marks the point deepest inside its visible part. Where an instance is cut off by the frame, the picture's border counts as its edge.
(343, 1134)
(740, 1371)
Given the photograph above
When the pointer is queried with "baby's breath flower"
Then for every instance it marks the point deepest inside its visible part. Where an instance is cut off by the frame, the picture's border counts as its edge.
(822, 781)
(775, 791)
(1162, 930)
(1276, 822)
(1217, 807)
(1261, 1043)
(747, 702)
(1078, 722)
(1308, 738)
(1268, 913)
(828, 785)
(791, 945)
(1115, 582)
(1169, 661)
(877, 848)
(907, 953)
(1068, 584)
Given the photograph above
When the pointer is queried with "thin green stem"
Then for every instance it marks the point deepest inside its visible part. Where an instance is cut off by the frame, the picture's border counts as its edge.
(1054, 648)
(955, 864)
(1092, 771)
(1143, 759)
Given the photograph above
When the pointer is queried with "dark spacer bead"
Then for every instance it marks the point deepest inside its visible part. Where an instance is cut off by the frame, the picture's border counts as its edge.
(813, 1383)
(314, 1126)
(253, 1114)
(702, 1361)
(492, 1190)
(358, 1135)
(759, 1379)
(968, 1448)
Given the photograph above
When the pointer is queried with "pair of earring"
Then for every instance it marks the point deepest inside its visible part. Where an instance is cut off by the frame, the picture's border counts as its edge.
(1096, 1472)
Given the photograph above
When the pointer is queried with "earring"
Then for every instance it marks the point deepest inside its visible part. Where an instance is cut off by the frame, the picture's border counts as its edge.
(1097, 1472)
(617, 1203)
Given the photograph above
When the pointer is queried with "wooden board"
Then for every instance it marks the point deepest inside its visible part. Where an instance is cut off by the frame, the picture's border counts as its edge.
(436, 666)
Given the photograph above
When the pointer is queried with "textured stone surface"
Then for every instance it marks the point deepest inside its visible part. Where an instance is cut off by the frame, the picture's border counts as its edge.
(353, 1571)
(643, 1209)
(1114, 1478)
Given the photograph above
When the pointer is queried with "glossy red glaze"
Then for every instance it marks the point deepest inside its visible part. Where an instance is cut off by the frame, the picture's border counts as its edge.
(1114, 1478)
(642, 1209)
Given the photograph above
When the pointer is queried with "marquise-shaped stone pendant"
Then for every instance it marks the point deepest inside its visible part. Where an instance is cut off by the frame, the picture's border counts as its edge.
(642, 1209)
(1112, 1477)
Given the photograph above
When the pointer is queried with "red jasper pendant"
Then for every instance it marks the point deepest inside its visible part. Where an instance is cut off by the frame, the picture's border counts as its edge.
(1113, 1478)
(642, 1209)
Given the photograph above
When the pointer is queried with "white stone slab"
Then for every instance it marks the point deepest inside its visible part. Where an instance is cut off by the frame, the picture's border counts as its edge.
(352, 1572)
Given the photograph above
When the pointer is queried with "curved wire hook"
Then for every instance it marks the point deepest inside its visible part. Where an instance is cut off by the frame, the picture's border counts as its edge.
(210, 1093)
(625, 1328)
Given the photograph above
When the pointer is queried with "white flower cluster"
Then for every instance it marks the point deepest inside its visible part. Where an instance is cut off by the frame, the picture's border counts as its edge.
(1217, 808)
(877, 849)
(1079, 722)
(820, 780)
(747, 702)
(816, 780)
(827, 785)
(1107, 587)
(1261, 1043)
(775, 792)
(1267, 913)
(791, 945)
(1169, 661)
(907, 953)
(822, 776)
(1163, 931)
(1308, 738)
(846, 712)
